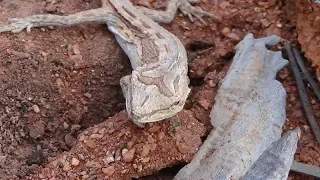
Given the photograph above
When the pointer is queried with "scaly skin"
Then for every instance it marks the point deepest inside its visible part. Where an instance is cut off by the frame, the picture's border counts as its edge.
(158, 86)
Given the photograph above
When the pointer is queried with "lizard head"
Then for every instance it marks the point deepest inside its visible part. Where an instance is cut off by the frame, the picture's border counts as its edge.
(146, 103)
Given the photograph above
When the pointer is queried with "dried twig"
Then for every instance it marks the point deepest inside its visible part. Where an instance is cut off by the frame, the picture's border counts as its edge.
(305, 169)
(303, 94)
(305, 71)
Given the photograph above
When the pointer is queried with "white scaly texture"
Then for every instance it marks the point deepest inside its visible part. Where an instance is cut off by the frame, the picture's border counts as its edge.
(275, 162)
(248, 114)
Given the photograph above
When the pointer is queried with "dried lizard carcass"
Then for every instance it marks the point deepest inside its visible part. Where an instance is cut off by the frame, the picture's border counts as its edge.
(247, 116)
(158, 86)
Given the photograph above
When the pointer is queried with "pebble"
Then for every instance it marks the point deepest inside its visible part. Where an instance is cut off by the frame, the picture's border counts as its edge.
(35, 157)
(66, 167)
(150, 139)
(118, 155)
(124, 171)
(59, 83)
(182, 148)
(96, 136)
(35, 108)
(81, 156)
(75, 162)
(205, 104)
(36, 130)
(21, 55)
(145, 160)
(76, 49)
(225, 31)
(108, 170)
(265, 22)
(75, 128)
(65, 125)
(128, 156)
(90, 143)
(88, 95)
(130, 144)
(233, 36)
(109, 158)
(70, 140)
(161, 135)
(154, 128)
(2, 160)
(145, 150)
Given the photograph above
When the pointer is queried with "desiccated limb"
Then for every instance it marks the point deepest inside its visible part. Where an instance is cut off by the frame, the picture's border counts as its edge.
(305, 71)
(18, 24)
(305, 169)
(303, 94)
(173, 5)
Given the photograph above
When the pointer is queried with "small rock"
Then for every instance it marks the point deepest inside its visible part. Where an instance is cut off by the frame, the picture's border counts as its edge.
(21, 55)
(59, 83)
(109, 158)
(35, 157)
(225, 31)
(182, 148)
(272, 2)
(224, 4)
(233, 36)
(44, 54)
(124, 171)
(75, 162)
(145, 160)
(205, 104)
(96, 136)
(108, 170)
(88, 95)
(36, 130)
(129, 144)
(75, 128)
(65, 125)
(154, 128)
(70, 140)
(161, 135)
(66, 167)
(118, 155)
(265, 22)
(145, 150)
(90, 143)
(297, 113)
(81, 156)
(76, 49)
(128, 156)
(2, 160)
(102, 131)
(124, 151)
(150, 139)
(153, 146)
(35, 108)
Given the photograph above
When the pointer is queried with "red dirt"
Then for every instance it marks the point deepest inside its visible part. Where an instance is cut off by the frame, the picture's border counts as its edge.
(56, 80)
(308, 28)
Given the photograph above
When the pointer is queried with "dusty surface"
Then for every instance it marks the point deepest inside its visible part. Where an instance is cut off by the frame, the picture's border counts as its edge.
(308, 28)
(57, 83)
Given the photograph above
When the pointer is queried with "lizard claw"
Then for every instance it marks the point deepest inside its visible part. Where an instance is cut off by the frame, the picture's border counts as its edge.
(188, 10)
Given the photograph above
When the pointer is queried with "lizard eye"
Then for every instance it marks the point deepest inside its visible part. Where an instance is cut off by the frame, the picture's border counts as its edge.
(176, 103)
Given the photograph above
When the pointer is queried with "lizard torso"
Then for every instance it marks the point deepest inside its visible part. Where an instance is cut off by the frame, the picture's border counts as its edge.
(158, 86)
